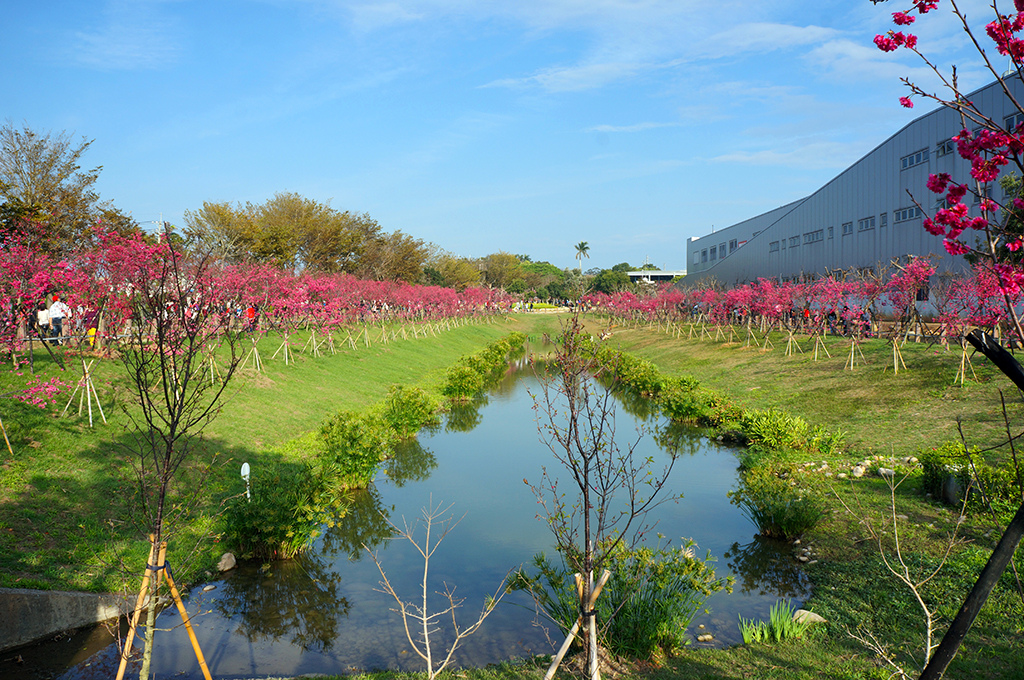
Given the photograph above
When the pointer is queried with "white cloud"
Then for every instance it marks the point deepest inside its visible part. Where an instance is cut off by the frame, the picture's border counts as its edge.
(638, 127)
(132, 35)
(809, 156)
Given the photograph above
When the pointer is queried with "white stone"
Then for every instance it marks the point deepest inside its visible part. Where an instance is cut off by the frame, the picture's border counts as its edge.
(208, 588)
(886, 472)
(858, 471)
(801, 615)
(227, 562)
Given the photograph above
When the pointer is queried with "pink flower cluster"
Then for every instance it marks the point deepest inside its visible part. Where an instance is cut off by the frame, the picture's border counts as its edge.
(894, 40)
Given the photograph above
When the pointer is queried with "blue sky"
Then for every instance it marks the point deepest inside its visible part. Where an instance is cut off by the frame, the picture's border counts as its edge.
(517, 125)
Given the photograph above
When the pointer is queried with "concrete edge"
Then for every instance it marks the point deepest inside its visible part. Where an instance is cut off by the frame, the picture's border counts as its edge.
(30, 615)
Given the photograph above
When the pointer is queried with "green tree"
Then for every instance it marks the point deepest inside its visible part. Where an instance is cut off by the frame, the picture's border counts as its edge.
(452, 271)
(623, 267)
(501, 269)
(41, 177)
(610, 281)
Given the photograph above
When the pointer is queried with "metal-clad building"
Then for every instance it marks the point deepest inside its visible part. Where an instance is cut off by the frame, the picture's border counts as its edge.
(864, 217)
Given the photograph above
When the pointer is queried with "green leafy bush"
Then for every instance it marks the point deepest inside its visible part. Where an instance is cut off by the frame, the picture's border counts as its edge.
(409, 409)
(660, 590)
(776, 506)
(288, 506)
(999, 484)
(474, 372)
(774, 430)
(354, 444)
(461, 383)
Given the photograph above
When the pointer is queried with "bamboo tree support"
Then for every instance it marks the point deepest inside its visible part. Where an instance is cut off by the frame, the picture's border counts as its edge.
(160, 568)
(257, 363)
(286, 347)
(965, 361)
(88, 393)
(791, 342)
(854, 350)
(383, 334)
(592, 628)
(6, 440)
(330, 343)
(405, 336)
(767, 344)
(351, 341)
(820, 343)
(897, 357)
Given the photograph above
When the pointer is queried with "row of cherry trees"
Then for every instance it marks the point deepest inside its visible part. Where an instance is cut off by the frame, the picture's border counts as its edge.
(838, 301)
(102, 281)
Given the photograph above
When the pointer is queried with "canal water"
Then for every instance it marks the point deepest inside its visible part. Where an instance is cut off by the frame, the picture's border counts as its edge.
(323, 612)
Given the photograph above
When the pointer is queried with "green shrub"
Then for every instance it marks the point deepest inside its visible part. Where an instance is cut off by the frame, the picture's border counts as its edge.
(462, 383)
(354, 444)
(999, 484)
(288, 506)
(776, 506)
(660, 590)
(409, 409)
(773, 429)
(474, 372)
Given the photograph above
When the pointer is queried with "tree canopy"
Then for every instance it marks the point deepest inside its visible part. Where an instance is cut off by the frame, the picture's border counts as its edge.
(42, 180)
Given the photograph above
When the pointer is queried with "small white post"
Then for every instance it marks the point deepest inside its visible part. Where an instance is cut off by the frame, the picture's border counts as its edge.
(245, 476)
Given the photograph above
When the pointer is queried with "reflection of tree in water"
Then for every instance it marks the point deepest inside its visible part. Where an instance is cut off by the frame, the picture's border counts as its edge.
(364, 522)
(464, 417)
(682, 440)
(767, 566)
(297, 598)
(410, 463)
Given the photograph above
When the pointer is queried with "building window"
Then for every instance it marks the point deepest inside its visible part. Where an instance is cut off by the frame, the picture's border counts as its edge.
(985, 193)
(696, 257)
(794, 241)
(866, 223)
(714, 253)
(916, 158)
(904, 214)
(814, 236)
(830, 230)
(945, 148)
(721, 250)
(883, 220)
(847, 228)
(773, 247)
(704, 255)
(733, 245)
(783, 244)
(1012, 121)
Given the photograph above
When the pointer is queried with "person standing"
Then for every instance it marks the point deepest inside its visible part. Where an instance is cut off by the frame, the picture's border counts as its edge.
(58, 312)
(43, 320)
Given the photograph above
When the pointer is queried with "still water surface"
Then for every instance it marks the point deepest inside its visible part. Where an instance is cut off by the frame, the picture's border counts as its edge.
(322, 613)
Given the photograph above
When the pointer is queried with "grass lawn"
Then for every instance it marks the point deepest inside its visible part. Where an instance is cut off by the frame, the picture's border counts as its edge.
(63, 496)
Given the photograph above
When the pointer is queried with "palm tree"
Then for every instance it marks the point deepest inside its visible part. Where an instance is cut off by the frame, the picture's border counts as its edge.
(582, 252)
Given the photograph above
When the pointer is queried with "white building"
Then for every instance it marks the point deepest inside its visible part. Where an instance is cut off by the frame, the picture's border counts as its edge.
(861, 219)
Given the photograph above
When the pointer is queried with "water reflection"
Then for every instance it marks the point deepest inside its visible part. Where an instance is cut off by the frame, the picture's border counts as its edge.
(365, 523)
(766, 566)
(412, 462)
(295, 600)
(466, 416)
(680, 440)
